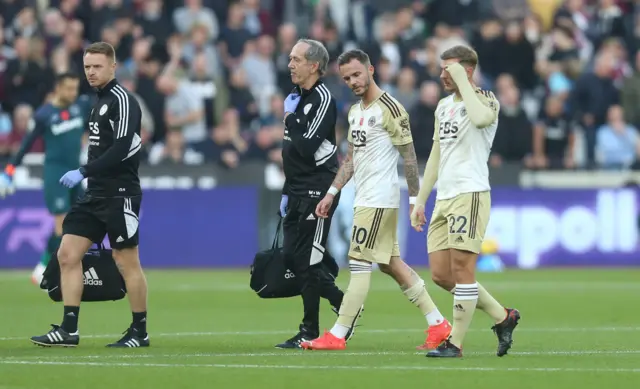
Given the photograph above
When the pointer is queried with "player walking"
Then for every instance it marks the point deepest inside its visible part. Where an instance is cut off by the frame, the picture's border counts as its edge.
(61, 123)
(465, 125)
(379, 132)
(111, 205)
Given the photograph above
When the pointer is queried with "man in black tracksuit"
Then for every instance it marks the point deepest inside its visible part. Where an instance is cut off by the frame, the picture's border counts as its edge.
(310, 165)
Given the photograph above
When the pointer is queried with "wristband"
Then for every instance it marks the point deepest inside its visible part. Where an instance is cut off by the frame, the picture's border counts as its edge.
(333, 190)
(10, 170)
(412, 200)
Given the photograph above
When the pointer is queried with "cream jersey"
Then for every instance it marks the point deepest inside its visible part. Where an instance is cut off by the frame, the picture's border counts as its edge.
(464, 148)
(374, 132)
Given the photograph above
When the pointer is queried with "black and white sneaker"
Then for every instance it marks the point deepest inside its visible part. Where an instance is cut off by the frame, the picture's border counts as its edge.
(352, 330)
(57, 337)
(295, 342)
(132, 338)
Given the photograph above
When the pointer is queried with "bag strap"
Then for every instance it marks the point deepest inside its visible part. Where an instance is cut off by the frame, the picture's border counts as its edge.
(98, 246)
(276, 239)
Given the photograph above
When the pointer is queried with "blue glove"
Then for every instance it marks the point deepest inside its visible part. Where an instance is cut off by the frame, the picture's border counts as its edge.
(291, 103)
(283, 205)
(6, 185)
(71, 178)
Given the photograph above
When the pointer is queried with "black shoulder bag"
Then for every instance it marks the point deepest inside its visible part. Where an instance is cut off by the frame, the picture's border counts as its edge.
(102, 279)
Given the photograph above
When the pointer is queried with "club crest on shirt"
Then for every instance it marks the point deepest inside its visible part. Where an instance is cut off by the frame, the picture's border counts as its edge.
(103, 109)
(372, 121)
(307, 108)
(463, 112)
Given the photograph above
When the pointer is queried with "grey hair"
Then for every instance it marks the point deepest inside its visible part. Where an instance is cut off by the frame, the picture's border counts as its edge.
(317, 53)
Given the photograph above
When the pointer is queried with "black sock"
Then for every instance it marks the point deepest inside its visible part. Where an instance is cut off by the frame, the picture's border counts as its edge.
(140, 322)
(70, 319)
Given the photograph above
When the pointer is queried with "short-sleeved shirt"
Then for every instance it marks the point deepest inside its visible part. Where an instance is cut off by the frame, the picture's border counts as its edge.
(375, 132)
(184, 102)
(464, 148)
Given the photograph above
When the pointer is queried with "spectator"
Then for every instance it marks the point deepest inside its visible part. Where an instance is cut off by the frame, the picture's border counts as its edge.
(241, 98)
(184, 111)
(553, 138)
(512, 143)
(225, 146)
(205, 86)
(407, 93)
(630, 97)
(194, 13)
(571, 52)
(21, 118)
(592, 96)
(422, 119)
(618, 145)
(24, 77)
(154, 22)
(234, 36)
(198, 45)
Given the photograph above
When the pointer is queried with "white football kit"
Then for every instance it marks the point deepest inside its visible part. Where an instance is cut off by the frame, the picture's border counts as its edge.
(464, 149)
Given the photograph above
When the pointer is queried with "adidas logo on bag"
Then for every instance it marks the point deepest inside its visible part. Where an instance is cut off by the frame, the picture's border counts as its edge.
(289, 274)
(91, 277)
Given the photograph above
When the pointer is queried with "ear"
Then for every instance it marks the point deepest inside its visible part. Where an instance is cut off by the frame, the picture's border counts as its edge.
(469, 71)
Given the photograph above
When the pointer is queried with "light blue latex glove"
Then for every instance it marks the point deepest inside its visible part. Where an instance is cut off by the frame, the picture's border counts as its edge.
(71, 178)
(6, 185)
(291, 103)
(283, 205)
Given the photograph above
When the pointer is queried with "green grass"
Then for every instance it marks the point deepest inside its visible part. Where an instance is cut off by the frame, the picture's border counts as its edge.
(579, 329)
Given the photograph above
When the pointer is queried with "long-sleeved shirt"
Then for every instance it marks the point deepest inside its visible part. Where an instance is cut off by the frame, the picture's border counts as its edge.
(309, 150)
(114, 144)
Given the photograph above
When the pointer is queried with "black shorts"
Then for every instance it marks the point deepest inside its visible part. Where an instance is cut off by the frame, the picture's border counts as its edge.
(93, 218)
(305, 234)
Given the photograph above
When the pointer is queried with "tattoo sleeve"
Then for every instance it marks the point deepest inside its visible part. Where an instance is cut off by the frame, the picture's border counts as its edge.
(411, 172)
(346, 170)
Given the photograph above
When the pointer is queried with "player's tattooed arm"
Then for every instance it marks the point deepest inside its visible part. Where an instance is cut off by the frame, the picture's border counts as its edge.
(346, 170)
(411, 171)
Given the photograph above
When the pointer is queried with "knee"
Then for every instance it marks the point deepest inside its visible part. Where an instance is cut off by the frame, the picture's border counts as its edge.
(127, 261)
(67, 257)
(443, 280)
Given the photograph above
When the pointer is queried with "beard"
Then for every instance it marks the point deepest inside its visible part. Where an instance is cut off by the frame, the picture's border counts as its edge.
(365, 87)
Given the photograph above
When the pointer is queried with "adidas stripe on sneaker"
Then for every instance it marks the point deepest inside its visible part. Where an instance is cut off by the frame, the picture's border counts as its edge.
(57, 337)
(132, 338)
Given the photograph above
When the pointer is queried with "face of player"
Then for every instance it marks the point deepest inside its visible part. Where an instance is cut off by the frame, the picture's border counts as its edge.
(357, 76)
(301, 69)
(67, 90)
(99, 69)
(447, 82)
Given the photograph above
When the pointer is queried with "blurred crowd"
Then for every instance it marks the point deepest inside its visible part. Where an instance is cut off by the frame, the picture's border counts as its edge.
(211, 75)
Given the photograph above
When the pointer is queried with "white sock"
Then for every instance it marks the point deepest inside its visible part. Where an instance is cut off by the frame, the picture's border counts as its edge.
(434, 317)
(339, 331)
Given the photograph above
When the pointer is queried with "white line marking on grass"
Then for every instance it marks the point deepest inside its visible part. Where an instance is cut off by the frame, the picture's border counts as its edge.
(325, 367)
(543, 286)
(370, 331)
(305, 354)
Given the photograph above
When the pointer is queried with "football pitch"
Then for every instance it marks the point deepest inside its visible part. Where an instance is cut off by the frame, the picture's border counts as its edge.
(579, 329)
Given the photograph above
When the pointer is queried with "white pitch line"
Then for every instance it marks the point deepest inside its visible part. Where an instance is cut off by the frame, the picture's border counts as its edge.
(306, 354)
(386, 287)
(327, 367)
(372, 331)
